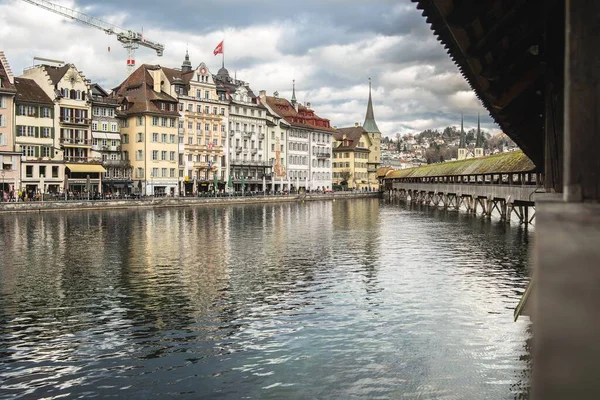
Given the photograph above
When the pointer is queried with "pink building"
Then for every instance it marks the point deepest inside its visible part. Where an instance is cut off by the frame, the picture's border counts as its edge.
(9, 160)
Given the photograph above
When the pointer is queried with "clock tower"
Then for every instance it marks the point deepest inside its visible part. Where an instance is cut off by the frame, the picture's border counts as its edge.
(375, 148)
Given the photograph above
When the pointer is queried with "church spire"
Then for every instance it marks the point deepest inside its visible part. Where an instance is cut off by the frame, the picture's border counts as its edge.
(370, 125)
(462, 143)
(187, 65)
(294, 92)
(479, 141)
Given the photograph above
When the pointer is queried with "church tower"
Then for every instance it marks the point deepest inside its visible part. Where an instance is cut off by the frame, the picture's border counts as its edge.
(462, 146)
(187, 65)
(479, 141)
(375, 148)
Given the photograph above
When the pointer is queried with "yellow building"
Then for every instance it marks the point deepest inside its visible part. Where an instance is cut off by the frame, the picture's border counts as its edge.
(149, 117)
(351, 157)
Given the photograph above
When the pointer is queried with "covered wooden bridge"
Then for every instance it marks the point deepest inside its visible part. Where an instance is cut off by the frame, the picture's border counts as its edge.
(500, 183)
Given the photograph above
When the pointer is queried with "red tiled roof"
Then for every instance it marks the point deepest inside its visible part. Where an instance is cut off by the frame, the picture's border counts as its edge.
(28, 91)
(138, 92)
(304, 117)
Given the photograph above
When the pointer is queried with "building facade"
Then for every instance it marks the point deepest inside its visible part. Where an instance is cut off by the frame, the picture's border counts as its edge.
(106, 143)
(42, 167)
(9, 159)
(202, 129)
(351, 155)
(69, 89)
(149, 122)
(247, 140)
(309, 143)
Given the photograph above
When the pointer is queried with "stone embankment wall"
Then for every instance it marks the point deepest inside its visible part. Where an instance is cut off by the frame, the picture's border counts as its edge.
(49, 206)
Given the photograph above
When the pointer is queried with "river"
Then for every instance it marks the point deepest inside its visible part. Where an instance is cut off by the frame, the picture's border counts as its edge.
(348, 299)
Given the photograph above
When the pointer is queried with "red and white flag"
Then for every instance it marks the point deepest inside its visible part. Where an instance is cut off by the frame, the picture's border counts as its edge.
(219, 48)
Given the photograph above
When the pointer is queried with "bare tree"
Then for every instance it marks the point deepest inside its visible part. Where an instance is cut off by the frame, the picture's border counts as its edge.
(345, 175)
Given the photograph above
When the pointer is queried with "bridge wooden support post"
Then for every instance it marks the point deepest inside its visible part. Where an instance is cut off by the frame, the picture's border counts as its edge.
(567, 244)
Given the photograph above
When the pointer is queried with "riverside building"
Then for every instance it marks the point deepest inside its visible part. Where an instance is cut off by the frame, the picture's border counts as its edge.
(202, 127)
(247, 140)
(9, 159)
(69, 90)
(149, 116)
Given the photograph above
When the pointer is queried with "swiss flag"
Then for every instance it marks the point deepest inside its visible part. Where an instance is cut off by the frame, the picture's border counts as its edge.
(219, 48)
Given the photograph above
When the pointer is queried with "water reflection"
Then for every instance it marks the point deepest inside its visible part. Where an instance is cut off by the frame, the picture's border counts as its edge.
(345, 299)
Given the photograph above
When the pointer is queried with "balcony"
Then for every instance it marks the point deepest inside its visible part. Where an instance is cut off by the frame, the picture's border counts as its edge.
(200, 164)
(86, 160)
(75, 142)
(251, 163)
(231, 133)
(261, 136)
(238, 149)
(67, 119)
(97, 147)
(116, 163)
(181, 131)
(254, 151)
(323, 155)
(247, 135)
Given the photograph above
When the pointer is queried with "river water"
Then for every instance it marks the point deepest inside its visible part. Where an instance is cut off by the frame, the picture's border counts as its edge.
(316, 300)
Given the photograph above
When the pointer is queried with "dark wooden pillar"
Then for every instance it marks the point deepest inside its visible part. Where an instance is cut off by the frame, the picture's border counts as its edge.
(582, 101)
(566, 300)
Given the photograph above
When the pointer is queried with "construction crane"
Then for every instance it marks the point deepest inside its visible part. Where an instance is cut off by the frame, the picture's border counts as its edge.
(131, 40)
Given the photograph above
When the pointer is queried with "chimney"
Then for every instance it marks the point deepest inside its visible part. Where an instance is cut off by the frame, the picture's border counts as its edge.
(156, 75)
(356, 125)
(308, 104)
(276, 94)
(262, 93)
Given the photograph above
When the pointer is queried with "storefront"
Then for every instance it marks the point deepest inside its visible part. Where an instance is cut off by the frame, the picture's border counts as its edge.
(84, 178)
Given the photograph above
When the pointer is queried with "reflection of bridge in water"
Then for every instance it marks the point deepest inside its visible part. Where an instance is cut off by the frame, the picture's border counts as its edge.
(501, 184)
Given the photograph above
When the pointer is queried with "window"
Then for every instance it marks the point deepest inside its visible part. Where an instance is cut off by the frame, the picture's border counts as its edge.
(29, 171)
(139, 121)
(207, 94)
(163, 121)
(155, 172)
(125, 138)
(206, 109)
(198, 108)
(45, 152)
(94, 126)
(46, 112)
(154, 155)
(28, 151)
(139, 155)
(139, 173)
(163, 155)
(154, 137)
(55, 171)
(172, 156)
(222, 111)
(215, 128)
(46, 132)
(164, 173)
(207, 127)
(190, 107)
(163, 138)
(198, 93)
(171, 107)
(162, 106)
(114, 127)
(180, 106)
(172, 122)
(215, 110)
(104, 127)
(172, 139)
(2, 102)
(172, 173)
(155, 121)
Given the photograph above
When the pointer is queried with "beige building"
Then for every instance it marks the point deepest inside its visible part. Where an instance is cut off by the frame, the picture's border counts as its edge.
(351, 157)
(9, 159)
(69, 89)
(149, 116)
(42, 167)
(202, 128)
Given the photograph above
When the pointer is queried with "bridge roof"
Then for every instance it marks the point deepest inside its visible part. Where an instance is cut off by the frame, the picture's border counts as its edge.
(503, 163)
(496, 47)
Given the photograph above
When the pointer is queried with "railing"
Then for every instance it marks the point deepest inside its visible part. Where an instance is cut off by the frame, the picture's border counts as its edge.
(323, 155)
(76, 141)
(254, 151)
(261, 136)
(251, 163)
(116, 163)
(98, 147)
(238, 149)
(200, 164)
(231, 133)
(66, 119)
(86, 160)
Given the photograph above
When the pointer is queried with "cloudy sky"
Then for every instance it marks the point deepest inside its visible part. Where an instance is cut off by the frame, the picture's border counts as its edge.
(330, 47)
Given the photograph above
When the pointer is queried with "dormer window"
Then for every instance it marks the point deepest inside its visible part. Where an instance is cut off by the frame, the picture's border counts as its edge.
(162, 106)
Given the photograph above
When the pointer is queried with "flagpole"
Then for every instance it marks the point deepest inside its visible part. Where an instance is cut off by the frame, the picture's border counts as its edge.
(223, 52)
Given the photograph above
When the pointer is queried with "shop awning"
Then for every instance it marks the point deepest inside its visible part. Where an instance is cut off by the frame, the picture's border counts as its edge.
(85, 168)
(106, 135)
(98, 135)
